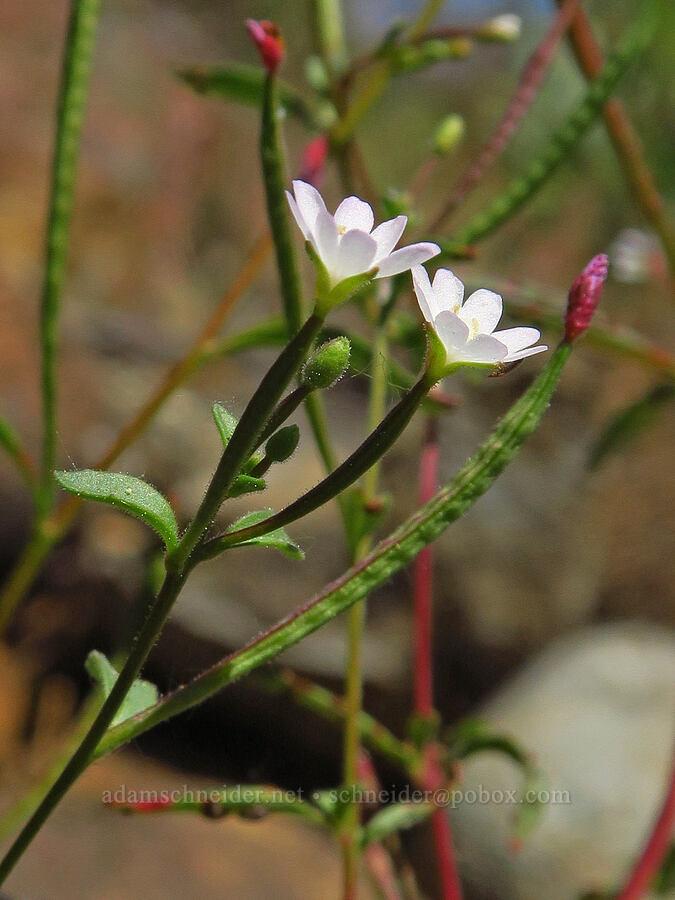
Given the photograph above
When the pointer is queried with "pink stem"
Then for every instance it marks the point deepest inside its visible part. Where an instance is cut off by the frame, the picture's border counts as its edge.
(529, 83)
(655, 849)
(433, 776)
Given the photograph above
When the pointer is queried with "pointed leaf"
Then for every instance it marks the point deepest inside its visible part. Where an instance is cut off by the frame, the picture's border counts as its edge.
(142, 694)
(244, 84)
(394, 818)
(276, 540)
(127, 493)
(225, 422)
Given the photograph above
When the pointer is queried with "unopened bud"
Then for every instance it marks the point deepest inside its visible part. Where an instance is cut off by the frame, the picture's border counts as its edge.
(313, 160)
(584, 296)
(327, 364)
(505, 28)
(267, 38)
(282, 444)
(448, 134)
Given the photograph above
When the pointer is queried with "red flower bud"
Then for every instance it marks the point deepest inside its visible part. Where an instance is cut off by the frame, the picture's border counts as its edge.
(313, 160)
(584, 296)
(267, 38)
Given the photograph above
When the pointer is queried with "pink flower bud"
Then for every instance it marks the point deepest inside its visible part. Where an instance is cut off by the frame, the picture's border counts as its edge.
(313, 160)
(267, 38)
(584, 296)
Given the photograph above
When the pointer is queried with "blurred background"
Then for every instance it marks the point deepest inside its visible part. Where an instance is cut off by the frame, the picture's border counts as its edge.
(554, 596)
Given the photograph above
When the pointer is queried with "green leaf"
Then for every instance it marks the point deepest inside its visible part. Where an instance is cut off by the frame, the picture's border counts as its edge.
(127, 493)
(225, 422)
(276, 540)
(246, 484)
(627, 424)
(244, 84)
(475, 736)
(9, 440)
(142, 694)
(394, 818)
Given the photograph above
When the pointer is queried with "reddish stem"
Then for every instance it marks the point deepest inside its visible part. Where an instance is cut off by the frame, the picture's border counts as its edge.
(433, 776)
(529, 83)
(625, 139)
(655, 849)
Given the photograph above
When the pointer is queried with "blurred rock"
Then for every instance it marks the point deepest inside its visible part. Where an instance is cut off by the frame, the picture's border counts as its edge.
(596, 710)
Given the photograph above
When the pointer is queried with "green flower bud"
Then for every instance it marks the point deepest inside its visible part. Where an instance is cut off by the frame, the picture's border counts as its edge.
(282, 444)
(327, 364)
(448, 134)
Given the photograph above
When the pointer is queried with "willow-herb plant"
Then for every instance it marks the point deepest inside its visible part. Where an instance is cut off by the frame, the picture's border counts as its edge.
(353, 262)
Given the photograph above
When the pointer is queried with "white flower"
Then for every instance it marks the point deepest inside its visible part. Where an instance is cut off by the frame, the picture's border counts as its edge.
(467, 329)
(346, 242)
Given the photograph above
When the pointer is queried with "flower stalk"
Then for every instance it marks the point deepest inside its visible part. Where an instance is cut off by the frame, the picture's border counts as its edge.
(75, 76)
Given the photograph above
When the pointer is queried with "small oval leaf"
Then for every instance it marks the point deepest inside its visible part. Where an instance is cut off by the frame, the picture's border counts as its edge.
(276, 540)
(142, 694)
(127, 493)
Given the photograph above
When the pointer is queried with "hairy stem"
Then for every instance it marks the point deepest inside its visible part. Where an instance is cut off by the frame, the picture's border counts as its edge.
(75, 75)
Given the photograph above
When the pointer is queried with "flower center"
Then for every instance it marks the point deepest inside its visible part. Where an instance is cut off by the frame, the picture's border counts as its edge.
(341, 229)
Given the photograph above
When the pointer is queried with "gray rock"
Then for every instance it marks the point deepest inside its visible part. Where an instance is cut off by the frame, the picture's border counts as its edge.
(596, 710)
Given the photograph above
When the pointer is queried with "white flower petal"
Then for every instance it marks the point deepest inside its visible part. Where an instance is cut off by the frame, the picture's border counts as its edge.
(297, 215)
(354, 213)
(423, 291)
(327, 240)
(516, 338)
(485, 349)
(406, 258)
(388, 235)
(309, 201)
(449, 290)
(451, 330)
(356, 253)
(521, 354)
(485, 307)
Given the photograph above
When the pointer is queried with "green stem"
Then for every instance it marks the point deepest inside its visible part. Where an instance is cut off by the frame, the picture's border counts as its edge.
(245, 437)
(370, 451)
(330, 29)
(356, 626)
(522, 188)
(75, 75)
(388, 557)
(239, 799)
(324, 703)
(87, 748)
(274, 174)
